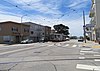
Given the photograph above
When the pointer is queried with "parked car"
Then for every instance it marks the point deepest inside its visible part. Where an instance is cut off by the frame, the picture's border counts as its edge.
(80, 40)
(99, 40)
(26, 41)
(42, 40)
(67, 39)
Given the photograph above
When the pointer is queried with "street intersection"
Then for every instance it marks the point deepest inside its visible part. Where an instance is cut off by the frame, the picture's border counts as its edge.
(50, 56)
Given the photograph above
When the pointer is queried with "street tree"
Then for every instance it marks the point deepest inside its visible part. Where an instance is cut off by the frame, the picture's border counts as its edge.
(61, 29)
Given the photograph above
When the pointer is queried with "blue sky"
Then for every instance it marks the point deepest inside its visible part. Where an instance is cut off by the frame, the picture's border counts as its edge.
(47, 12)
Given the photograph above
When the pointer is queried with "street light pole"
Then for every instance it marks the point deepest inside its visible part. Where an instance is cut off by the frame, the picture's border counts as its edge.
(84, 26)
(21, 27)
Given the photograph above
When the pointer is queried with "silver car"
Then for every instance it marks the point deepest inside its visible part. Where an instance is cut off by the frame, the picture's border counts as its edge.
(26, 41)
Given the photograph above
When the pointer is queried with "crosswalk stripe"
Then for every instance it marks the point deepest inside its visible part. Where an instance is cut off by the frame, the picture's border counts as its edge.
(87, 52)
(96, 55)
(50, 45)
(86, 49)
(81, 57)
(74, 45)
(82, 54)
(87, 67)
(97, 60)
(67, 45)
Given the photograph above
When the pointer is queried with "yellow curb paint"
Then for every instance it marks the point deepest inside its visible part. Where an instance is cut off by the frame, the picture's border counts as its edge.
(85, 44)
(96, 46)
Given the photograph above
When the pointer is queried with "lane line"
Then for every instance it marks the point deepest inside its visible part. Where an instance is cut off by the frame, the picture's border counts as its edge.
(16, 50)
(20, 50)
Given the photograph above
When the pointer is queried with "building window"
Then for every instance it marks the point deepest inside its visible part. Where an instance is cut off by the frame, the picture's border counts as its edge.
(6, 38)
(42, 33)
(14, 29)
(32, 32)
(26, 30)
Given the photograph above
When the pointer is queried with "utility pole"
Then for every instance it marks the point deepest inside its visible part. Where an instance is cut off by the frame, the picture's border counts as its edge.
(84, 26)
(21, 28)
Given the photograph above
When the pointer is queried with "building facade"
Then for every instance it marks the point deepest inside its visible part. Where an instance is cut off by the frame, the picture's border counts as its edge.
(90, 31)
(95, 17)
(38, 32)
(47, 33)
(13, 32)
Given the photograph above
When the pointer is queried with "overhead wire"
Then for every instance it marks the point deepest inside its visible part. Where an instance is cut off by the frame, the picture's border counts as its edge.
(16, 6)
(62, 15)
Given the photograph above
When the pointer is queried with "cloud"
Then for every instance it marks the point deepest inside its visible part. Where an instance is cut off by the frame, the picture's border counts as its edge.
(46, 12)
(40, 5)
(9, 18)
(75, 25)
(78, 4)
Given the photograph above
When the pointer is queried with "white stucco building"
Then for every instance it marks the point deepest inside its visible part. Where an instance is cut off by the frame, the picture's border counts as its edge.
(95, 17)
(37, 31)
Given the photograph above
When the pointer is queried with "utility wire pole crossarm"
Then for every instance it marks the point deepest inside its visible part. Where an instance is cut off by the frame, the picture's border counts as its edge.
(84, 26)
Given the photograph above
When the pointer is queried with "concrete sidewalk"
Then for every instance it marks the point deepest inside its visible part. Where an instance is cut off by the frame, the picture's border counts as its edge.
(91, 44)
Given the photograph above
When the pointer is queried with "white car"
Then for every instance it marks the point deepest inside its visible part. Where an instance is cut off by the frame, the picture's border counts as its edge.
(26, 41)
(67, 39)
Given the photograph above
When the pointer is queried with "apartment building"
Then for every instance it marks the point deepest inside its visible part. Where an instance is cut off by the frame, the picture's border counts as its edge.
(47, 33)
(90, 31)
(95, 17)
(37, 31)
(13, 32)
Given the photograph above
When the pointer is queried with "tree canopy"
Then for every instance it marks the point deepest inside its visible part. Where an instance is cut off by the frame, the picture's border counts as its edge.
(62, 29)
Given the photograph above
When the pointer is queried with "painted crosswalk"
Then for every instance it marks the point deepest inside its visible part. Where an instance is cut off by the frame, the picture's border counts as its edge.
(88, 67)
(83, 52)
(98, 60)
(66, 45)
(81, 57)
(87, 50)
(74, 45)
(97, 55)
(69, 45)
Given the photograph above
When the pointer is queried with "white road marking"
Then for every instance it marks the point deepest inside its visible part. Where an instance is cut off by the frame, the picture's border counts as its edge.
(87, 67)
(15, 50)
(97, 60)
(51, 45)
(97, 55)
(86, 49)
(74, 45)
(88, 52)
(81, 57)
(67, 45)
(82, 54)
(58, 44)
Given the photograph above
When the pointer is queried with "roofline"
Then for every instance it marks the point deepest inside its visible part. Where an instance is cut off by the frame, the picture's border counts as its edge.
(13, 22)
(37, 24)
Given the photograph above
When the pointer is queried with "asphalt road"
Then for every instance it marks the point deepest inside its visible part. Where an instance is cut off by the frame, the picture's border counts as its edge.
(50, 56)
